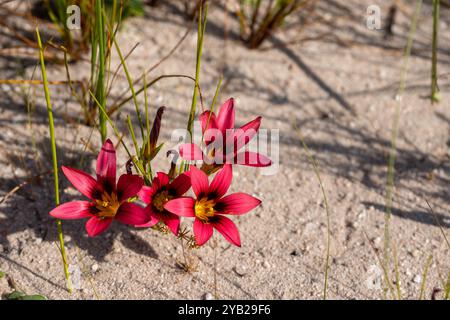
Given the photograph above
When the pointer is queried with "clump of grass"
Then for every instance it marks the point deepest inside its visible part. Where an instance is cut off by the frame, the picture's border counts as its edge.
(259, 19)
(54, 159)
(78, 43)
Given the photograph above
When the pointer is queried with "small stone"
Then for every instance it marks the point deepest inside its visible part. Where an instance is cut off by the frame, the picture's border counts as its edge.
(266, 264)
(67, 238)
(38, 241)
(377, 241)
(94, 267)
(208, 296)
(417, 279)
(240, 270)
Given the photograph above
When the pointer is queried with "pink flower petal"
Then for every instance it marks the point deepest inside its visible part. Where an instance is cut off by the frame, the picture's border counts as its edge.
(228, 229)
(183, 206)
(202, 232)
(163, 179)
(130, 213)
(225, 118)
(106, 165)
(72, 210)
(81, 181)
(236, 204)
(242, 136)
(252, 159)
(208, 120)
(191, 151)
(128, 186)
(172, 221)
(221, 182)
(199, 182)
(181, 184)
(95, 226)
(153, 218)
(146, 193)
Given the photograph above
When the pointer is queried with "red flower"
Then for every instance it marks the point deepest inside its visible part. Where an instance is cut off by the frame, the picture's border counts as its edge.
(210, 205)
(159, 194)
(232, 143)
(108, 201)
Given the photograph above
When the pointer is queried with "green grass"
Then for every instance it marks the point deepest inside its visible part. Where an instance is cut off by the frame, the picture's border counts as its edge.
(100, 41)
(435, 94)
(54, 159)
(202, 19)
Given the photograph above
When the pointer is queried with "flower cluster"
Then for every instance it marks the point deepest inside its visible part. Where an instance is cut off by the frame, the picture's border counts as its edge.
(166, 197)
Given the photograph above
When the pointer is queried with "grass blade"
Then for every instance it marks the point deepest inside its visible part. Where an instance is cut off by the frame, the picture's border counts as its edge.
(435, 94)
(54, 159)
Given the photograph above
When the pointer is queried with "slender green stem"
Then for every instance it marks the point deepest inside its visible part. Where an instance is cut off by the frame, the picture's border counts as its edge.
(116, 131)
(147, 124)
(133, 135)
(213, 104)
(394, 134)
(100, 90)
(54, 159)
(200, 36)
(435, 95)
(130, 83)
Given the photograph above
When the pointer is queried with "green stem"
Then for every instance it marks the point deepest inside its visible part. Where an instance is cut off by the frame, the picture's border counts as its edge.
(54, 159)
(435, 95)
(100, 89)
(200, 36)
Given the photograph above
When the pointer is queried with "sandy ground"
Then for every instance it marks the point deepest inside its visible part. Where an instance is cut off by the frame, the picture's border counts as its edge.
(341, 96)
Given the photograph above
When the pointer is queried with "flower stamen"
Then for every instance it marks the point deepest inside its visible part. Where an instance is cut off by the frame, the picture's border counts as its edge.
(108, 205)
(204, 209)
(160, 199)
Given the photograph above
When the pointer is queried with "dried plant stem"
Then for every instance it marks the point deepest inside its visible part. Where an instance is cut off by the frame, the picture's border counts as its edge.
(54, 160)
(119, 104)
(327, 209)
(216, 294)
(397, 275)
(424, 276)
(394, 134)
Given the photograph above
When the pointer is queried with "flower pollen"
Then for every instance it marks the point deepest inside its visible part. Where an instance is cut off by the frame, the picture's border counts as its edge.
(160, 199)
(204, 209)
(108, 205)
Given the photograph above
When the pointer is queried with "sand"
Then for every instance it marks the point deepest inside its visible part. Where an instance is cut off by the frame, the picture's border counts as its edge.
(341, 94)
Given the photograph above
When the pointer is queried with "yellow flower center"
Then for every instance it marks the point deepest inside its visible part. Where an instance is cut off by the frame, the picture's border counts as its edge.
(108, 205)
(160, 199)
(204, 209)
